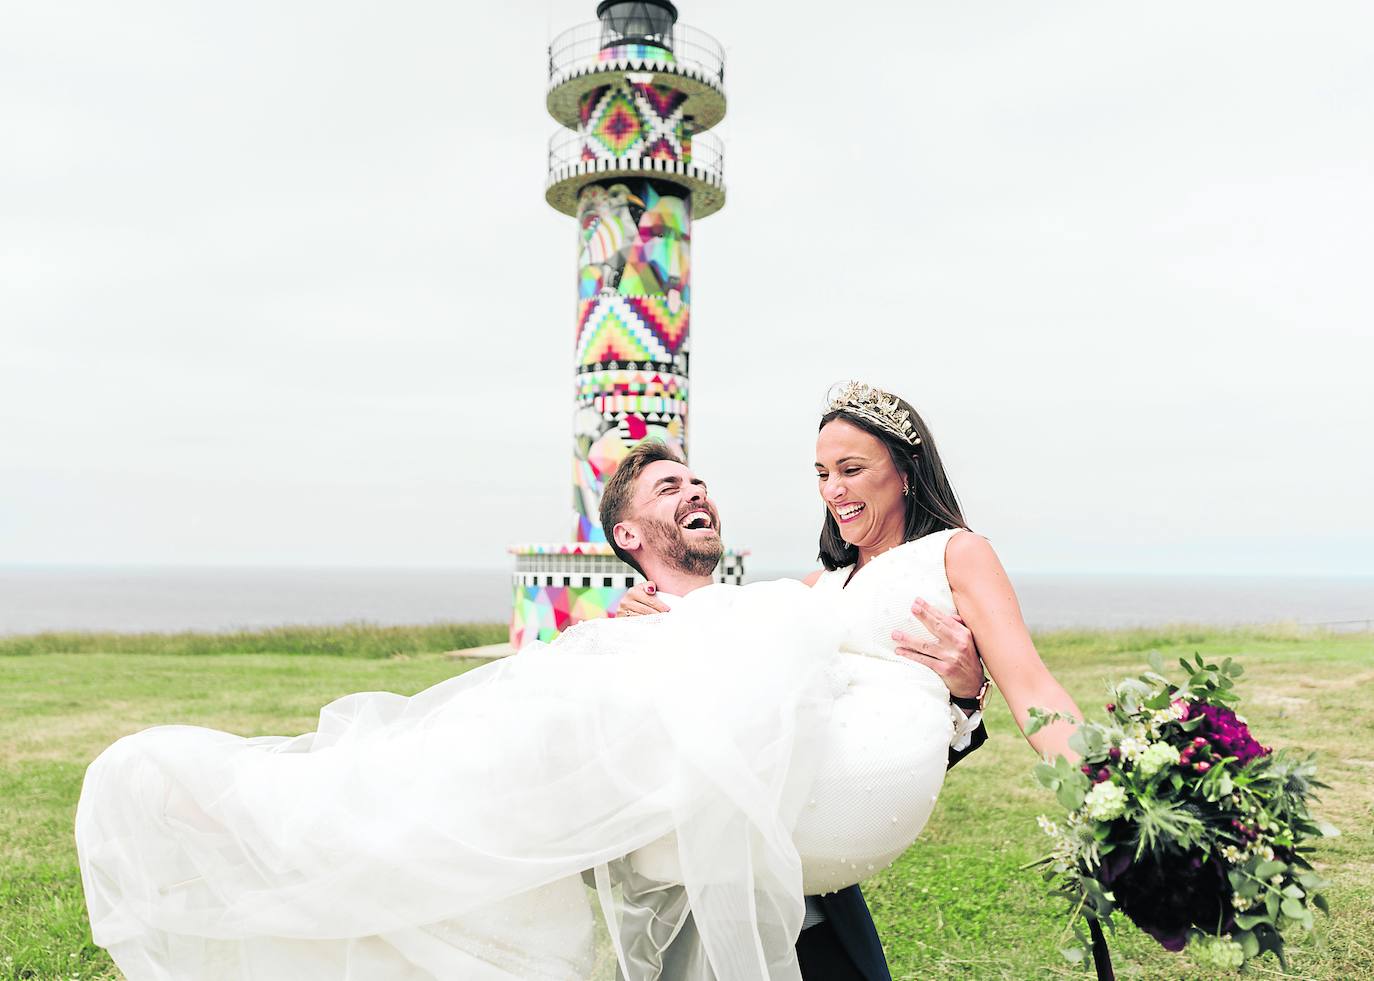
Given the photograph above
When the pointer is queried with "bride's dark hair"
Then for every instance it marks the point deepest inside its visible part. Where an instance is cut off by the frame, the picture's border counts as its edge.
(931, 506)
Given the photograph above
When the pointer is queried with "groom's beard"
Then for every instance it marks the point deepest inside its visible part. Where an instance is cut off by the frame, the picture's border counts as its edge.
(694, 556)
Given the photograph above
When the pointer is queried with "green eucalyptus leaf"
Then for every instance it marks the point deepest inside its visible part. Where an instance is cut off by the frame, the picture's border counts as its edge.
(1293, 892)
(1247, 920)
(1156, 661)
(1292, 909)
(1248, 944)
(1074, 955)
(1319, 901)
(1078, 742)
(1266, 869)
(1070, 795)
(1159, 701)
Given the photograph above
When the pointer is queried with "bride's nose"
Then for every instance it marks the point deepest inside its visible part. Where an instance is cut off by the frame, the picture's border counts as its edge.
(832, 488)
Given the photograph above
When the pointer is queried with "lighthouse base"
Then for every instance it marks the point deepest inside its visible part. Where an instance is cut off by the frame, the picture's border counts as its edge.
(556, 586)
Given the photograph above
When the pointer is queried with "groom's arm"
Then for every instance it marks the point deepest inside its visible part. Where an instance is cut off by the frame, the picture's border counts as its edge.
(953, 655)
(976, 739)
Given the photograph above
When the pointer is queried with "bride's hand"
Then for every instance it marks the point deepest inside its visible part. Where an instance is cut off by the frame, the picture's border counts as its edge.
(641, 601)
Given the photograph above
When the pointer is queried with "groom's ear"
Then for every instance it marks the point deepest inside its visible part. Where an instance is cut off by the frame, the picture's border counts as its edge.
(626, 536)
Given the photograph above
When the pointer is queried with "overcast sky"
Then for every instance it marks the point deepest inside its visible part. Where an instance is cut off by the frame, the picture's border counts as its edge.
(278, 284)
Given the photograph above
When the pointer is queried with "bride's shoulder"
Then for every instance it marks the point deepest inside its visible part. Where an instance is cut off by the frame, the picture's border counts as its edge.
(813, 578)
(969, 557)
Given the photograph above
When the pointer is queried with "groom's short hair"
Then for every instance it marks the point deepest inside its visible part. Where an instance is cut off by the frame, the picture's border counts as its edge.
(619, 493)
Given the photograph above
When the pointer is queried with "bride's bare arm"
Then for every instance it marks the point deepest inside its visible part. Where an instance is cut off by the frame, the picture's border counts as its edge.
(985, 599)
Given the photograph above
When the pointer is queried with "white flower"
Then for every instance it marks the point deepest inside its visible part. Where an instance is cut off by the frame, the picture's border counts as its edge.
(1171, 714)
(1156, 757)
(1132, 747)
(1105, 802)
(1219, 953)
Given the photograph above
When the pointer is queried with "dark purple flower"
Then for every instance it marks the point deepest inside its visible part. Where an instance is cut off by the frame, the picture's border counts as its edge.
(1166, 895)
(1226, 734)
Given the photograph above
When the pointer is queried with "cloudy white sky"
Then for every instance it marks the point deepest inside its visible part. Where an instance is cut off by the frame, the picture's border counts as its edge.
(278, 284)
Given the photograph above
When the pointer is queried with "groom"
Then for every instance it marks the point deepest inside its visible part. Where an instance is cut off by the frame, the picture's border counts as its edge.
(660, 520)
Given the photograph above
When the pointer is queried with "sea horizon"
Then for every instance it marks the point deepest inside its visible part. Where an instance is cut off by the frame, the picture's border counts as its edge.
(136, 598)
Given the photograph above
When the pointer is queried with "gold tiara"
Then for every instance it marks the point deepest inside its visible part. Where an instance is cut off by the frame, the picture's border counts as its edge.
(877, 407)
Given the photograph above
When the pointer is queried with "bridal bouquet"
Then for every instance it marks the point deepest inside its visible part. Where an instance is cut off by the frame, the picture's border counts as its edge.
(1181, 820)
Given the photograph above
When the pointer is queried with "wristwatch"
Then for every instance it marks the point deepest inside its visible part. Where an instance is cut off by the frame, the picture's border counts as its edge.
(973, 703)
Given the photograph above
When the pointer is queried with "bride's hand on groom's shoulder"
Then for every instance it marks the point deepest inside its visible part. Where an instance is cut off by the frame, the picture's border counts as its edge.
(952, 654)
(641, 601)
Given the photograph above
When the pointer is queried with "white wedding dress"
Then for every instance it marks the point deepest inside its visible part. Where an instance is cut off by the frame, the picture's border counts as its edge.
(756, 744)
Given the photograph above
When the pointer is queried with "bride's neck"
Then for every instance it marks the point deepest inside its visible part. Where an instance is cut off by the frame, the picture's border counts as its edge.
(867, 555)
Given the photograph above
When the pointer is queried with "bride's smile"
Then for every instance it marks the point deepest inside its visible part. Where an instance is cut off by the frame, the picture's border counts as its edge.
(861, 488)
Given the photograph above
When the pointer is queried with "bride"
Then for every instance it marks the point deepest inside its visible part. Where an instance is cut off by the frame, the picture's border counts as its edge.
(728, 747)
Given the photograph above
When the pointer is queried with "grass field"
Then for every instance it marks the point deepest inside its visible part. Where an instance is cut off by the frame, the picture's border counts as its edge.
(956, 906)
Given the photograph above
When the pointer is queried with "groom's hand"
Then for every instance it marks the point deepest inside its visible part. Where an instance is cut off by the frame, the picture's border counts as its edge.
(952, 654)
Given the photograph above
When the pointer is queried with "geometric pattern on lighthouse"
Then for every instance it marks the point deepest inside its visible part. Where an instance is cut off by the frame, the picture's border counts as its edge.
(613, 330)
(628, 120)
(617, 408)
(616, 126)
(653, 395)
(633, 311)
(636, 240)
(629, 328)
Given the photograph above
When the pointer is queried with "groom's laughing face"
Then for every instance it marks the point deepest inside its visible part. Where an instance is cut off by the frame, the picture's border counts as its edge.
(676, 517)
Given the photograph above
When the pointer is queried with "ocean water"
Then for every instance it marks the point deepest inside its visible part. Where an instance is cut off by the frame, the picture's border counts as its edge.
(220, 599)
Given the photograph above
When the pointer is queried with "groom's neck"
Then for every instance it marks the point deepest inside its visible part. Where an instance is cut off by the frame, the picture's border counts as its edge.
(672, 580)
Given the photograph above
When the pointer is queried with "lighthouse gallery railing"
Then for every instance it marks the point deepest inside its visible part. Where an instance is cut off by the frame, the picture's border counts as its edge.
(584, 43)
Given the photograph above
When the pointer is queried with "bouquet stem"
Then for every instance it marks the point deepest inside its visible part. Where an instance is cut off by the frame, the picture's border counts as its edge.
(1102, 958)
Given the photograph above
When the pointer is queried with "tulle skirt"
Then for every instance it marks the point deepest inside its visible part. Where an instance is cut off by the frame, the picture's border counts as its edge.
(447, 835)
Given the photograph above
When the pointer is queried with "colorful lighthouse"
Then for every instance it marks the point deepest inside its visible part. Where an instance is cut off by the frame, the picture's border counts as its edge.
(636, 164)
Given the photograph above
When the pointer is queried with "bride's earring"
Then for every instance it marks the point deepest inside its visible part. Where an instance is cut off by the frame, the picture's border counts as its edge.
(906, 490)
